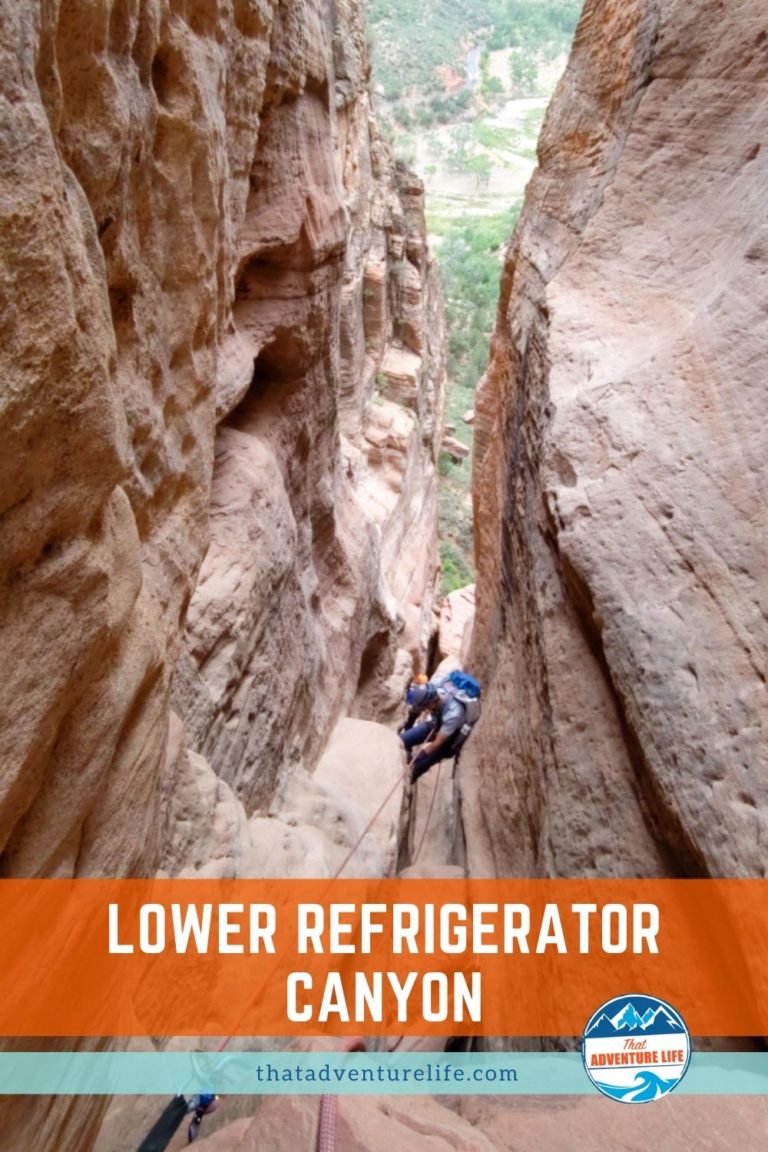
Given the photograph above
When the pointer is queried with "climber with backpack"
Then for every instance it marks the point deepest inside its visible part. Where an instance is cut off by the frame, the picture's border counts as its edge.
(453, 704)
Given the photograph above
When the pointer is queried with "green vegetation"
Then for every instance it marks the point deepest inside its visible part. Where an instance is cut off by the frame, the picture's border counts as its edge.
(475, 148)
(470, 252)
(545, 26)
(442, 109)
(494, 138)
(413, 43)
(491, 88)
(455, 513)
(523, 72)
(505, 143)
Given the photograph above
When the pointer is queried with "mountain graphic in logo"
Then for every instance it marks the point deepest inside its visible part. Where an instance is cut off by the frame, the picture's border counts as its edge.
(644, 1018)
(636, 1048)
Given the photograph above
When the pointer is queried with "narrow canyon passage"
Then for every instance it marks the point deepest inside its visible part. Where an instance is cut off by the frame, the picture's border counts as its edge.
(223, 403)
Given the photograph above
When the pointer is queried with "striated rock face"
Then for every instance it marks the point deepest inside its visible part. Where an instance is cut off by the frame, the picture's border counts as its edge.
(498, 1124)
(364, 1124)
(621, 466)
(207, 256)
(212, 485)
(313, 824)
(323, 510)
(125, 162)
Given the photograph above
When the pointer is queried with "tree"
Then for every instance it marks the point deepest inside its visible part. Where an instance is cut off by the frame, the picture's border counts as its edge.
(482, 167)
(523, 72)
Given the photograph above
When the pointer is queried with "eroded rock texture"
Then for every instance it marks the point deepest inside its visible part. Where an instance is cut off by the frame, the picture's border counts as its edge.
(207, 252)
(129, 130)
(621, 466)
(315, 825)
(317, 586)
(222, 373)
(510, 1123)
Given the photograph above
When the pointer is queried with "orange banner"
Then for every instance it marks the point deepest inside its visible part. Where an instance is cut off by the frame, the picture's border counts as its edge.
(379, 957)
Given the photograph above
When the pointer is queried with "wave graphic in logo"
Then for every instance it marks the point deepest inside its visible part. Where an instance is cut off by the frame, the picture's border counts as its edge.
(647, 1086)
(636, 1048)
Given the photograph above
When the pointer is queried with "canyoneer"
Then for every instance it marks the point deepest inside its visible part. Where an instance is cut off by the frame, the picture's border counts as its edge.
(452, 703)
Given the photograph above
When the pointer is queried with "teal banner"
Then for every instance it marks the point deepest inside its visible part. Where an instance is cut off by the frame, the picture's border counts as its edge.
(365, 1073)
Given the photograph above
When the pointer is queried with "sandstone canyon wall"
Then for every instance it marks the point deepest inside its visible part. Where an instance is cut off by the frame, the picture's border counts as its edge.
(222, 366)
(222, 402)
(223, 381)
(620, 469)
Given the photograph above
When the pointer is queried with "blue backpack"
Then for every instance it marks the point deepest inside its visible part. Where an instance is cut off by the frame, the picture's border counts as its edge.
(466, 684)
(467, 691)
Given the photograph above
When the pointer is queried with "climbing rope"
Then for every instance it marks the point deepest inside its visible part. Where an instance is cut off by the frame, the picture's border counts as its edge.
(369, 825)
(429, 813)
(227, 1039)
(326, 1125)
(326, 1132)
(328, 1104)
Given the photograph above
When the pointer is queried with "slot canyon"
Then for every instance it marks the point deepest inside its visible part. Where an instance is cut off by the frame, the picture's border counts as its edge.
(223, 401)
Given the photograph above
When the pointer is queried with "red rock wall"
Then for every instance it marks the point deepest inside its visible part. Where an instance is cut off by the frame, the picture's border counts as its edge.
(620, 469)
(207, 252)
(208, 476)
(115, 164)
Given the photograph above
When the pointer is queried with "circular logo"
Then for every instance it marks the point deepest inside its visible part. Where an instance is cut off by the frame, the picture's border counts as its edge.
(636, 1048)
